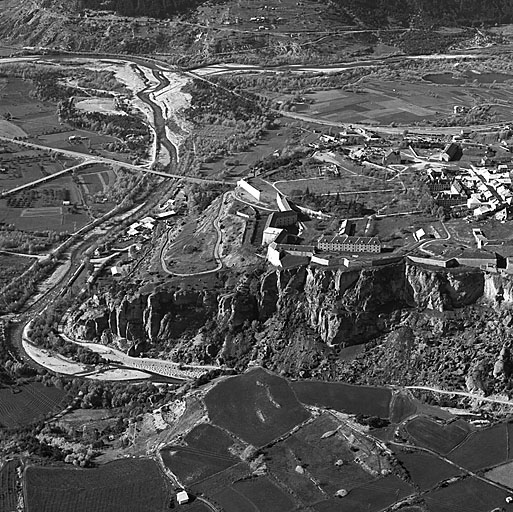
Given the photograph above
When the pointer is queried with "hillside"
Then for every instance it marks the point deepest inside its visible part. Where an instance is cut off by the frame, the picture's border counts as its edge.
(375, 13)
(279, 32)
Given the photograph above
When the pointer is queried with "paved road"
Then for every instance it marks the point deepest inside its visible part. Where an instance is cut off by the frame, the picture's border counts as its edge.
(216, 251)
(423, 245)
(473, 396)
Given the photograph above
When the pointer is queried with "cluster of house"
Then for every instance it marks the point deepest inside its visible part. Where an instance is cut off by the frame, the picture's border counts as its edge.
(483, 190)
(142, 228)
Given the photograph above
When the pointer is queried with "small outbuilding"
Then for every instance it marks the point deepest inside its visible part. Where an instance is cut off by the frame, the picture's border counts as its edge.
(182, 498)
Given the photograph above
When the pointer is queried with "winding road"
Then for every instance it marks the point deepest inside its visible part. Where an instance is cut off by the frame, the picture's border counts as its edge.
(216, 250)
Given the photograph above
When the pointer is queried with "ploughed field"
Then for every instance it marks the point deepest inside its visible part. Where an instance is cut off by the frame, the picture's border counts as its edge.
(128, 485)
(9, 486)
(23, 405)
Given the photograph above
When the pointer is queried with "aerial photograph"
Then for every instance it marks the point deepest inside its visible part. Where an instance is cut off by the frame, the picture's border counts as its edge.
(256, 255)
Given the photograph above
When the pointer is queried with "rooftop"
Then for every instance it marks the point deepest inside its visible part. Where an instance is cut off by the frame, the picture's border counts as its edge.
(346, 239)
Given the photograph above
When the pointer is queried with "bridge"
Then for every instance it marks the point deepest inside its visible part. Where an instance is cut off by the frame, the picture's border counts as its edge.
(50, 177)
(103, 160)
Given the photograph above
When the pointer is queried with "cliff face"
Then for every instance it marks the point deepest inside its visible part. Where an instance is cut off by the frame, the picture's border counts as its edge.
(498, 289)
(340, 306)
(139, 316)
(352, 307)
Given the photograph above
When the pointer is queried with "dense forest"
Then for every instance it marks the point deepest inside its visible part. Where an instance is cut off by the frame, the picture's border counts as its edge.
(370, 12)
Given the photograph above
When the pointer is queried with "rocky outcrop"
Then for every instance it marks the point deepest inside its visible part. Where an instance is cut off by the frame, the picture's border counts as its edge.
(137, 316)
(351, 307)
(498, 288)
(341, 306)
(237, 308)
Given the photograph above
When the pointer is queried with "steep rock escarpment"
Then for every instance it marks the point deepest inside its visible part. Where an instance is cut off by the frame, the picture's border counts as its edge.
(340, 306)
(137, 316)
(352, 307)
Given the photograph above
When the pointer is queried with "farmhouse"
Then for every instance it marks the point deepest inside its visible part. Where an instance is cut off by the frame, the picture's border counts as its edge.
(347, 243)
(182, 498)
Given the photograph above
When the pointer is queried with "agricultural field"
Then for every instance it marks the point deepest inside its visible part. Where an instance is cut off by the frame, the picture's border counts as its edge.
(344, 397)
(469, 494)
(371, 497)
(96, 179)
(19, 166)
(385, 102)
(425, 469)
(26, 116)
(257, 406)
(220, 482)
(440, 438)
(259, 494)
(29, 114)
(502, 474)
(204, 451)
(483, 449)
(240, 163)
(42, 218)
(282, 15)
(89, 419)
(8, 129)
(23, 405)
(89, 143)
(328, 463)
(128, 485)
(9, 486)
(264, 495)
(12, 267)
(61, 205)
(402, 406)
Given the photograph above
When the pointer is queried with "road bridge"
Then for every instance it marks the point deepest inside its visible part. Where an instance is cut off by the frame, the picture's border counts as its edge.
(88, 159)
(50, 177)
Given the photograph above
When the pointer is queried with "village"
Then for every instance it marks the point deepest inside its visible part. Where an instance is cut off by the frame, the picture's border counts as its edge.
(470, 190)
